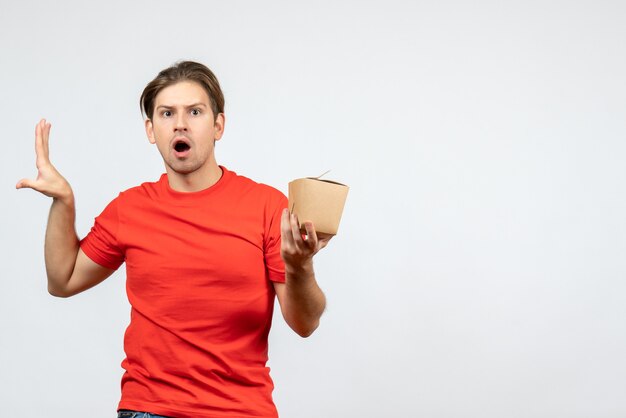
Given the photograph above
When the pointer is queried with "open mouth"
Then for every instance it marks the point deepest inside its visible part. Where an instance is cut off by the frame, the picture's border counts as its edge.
(181, 146)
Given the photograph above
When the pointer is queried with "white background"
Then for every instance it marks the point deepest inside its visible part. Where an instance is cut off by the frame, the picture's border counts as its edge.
(479, 268)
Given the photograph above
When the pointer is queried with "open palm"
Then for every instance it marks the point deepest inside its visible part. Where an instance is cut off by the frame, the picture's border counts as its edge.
(49, 181)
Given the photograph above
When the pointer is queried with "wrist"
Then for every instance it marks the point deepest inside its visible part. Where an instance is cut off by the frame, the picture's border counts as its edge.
(299, 269)
(66, 198)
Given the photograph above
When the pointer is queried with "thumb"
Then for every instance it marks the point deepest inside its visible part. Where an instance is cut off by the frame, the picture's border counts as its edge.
(323, 242)
(25, 183)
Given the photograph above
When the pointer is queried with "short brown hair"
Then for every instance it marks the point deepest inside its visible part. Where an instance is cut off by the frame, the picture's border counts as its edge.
(183, 71)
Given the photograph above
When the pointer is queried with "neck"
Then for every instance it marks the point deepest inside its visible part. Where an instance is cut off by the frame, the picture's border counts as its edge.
(195, 181)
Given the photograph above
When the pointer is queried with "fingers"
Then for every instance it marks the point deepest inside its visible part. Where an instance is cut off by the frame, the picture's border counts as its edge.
(46, 138)
(295, 228)
(42, 134)
(311, 235)
(315, 240)
(310, 241)
(290, 230)
(285, 229)
(293, 240)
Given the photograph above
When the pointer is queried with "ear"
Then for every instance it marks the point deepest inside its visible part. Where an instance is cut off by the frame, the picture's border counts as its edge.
(220, 122)
(150, 131)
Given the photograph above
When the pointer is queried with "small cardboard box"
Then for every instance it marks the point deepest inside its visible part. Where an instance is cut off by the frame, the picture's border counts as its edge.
(318, 201)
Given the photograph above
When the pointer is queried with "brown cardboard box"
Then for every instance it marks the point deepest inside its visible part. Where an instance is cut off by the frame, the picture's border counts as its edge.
(319, 201)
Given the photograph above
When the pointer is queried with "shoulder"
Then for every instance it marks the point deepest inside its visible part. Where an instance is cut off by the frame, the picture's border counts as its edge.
(249, 186)
(147, 189)
(131, 198)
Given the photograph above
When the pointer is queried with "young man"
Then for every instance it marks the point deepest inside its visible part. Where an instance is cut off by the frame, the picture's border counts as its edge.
(206, 252)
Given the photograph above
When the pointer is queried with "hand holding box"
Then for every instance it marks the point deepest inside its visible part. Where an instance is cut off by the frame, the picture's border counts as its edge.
(318, 201)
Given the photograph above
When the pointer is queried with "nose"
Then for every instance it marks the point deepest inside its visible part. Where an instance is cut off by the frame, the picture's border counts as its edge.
(181, 122)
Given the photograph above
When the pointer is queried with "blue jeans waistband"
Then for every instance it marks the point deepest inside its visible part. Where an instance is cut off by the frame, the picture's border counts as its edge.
(125, 413)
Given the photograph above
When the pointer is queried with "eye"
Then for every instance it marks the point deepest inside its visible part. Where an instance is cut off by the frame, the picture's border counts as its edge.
(195, 112)
(167, 113)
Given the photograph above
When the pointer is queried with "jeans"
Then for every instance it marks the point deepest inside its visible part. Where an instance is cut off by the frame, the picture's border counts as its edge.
(123, 413)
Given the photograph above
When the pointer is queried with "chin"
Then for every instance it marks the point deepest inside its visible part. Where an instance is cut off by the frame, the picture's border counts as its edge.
(183, 168)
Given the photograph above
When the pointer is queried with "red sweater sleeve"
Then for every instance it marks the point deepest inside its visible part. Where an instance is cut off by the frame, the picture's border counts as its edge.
(102, 243)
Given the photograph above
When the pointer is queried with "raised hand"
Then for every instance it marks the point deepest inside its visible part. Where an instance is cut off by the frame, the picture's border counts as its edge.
(297, 250)
(49, 181)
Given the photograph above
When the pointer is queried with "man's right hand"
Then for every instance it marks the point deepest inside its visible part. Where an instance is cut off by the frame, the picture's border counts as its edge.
(49, 181)
(68, 268)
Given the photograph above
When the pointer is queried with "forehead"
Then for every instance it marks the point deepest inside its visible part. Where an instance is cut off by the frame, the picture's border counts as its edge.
(182, 93)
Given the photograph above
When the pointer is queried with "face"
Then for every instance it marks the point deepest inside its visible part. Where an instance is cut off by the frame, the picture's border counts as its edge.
(184, 128)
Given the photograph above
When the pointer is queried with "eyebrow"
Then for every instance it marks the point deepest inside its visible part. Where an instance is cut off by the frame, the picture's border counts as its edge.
(187, 107)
